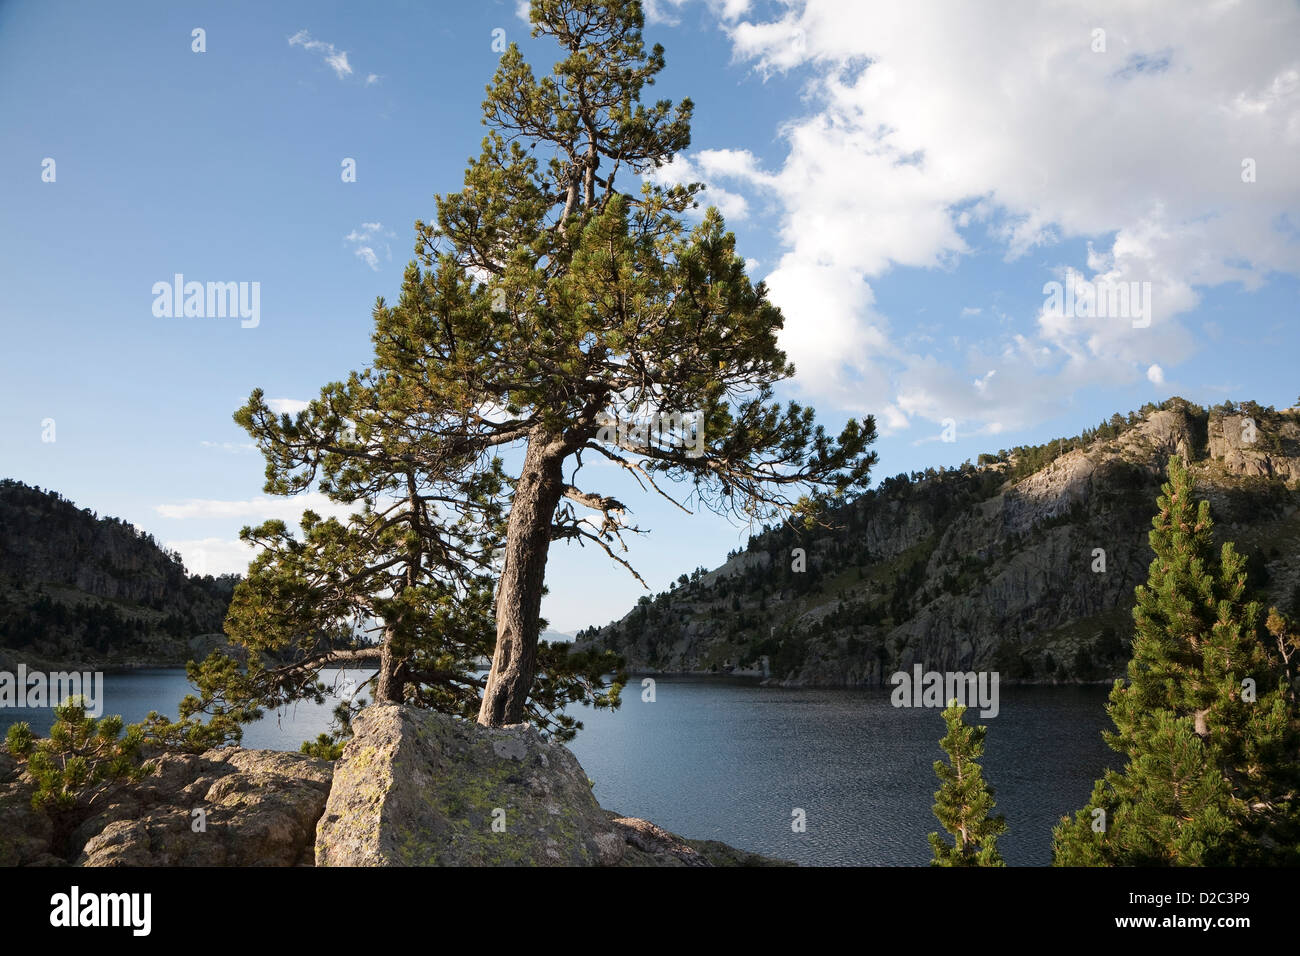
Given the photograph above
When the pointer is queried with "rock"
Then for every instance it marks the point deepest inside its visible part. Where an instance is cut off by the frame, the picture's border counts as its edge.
(413, 788)
(417, 788)
(1235, 440)
(25, 833)
(721, 854)
(261, 808)
(649, 845)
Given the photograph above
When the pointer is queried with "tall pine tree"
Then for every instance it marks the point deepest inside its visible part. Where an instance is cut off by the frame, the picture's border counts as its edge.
(963, 802)
(1207, 720)
(561, 306)
(559, 309)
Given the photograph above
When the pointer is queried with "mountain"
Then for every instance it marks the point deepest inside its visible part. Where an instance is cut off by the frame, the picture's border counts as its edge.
(80, 590)
(1024, 563)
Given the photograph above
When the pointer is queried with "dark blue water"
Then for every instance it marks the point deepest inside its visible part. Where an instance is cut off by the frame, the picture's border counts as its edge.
(731, 761)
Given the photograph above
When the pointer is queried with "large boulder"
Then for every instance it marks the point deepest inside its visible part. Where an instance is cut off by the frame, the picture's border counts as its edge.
(417, 788)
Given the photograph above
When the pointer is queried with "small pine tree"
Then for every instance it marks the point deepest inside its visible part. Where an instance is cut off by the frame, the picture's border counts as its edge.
(1207, 720)
(80, 759)
(963, 801)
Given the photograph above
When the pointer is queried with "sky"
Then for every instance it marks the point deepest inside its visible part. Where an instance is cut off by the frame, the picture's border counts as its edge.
(920, 185)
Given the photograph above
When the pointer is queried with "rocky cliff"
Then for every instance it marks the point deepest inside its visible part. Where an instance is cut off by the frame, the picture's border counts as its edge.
(1024, 564)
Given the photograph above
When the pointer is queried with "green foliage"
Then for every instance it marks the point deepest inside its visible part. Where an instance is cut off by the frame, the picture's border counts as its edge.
(1207, 721)
(80, 759)
(544, 304)
(324, 747)
(53, 542)
(963, 802)
(226, 700)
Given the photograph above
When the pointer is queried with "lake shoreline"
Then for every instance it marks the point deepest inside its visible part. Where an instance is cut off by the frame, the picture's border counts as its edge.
(761, 681)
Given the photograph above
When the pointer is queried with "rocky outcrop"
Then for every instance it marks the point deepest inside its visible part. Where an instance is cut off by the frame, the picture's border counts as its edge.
(1266, 449)
(650, 845)
(413, 788)
(229, 807)
(416, 788)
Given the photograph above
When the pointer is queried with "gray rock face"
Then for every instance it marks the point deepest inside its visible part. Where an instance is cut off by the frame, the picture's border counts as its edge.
(1236, 440)
(259, 808)
(415, 788)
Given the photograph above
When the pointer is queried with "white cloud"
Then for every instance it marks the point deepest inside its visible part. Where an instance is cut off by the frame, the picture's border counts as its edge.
(663, 12)
(1156, 375)
(934, 121)
(262, 508)
(336, 59)
(892, 420)
(215, 556)
(361, 239)
(697, 169)
(287, 406)
(229, 446)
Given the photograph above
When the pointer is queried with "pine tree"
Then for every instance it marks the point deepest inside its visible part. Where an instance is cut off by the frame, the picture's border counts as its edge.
(80, 760)
(1207, 721)
(561, 307)
(405, 582)
(963, 802)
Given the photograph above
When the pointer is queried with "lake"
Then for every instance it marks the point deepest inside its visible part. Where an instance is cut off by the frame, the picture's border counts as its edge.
(729, 760)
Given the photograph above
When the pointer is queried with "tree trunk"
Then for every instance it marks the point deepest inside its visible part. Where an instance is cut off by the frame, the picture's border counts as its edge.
(391, 687)
(392, 668)
(519, 594)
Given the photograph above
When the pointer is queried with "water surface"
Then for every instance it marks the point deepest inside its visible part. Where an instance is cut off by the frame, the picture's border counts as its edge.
(729, 760)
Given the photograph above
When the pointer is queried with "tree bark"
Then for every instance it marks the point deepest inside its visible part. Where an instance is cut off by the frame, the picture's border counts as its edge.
(519, 594)
(391, 687)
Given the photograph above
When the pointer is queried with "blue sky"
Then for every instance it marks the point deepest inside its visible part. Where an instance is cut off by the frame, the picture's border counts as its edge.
(907, 186)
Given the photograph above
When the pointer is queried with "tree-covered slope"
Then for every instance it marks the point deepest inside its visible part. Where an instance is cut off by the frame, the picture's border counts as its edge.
(77, 589)
(1024, 564)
